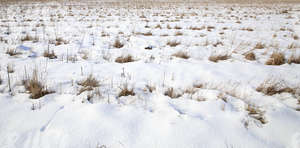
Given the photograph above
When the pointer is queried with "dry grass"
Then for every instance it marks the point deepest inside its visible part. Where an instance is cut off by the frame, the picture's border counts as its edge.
(124, 59)
(88, 84)
(250, 56)
(35, 86)
(27, 38)
(173, 43)
(294, 59)
(256, 113)
(271, 87)
(197, 28)
(12, 52)
(118, 44)
(171, 93)
(10, 68)
(177, 27)
(178, 33)
(50, 55)
(90, 81)
(259, 46)
(147, 34)
(277, 58)
(216, 58)
(125, 91)
(181, 54)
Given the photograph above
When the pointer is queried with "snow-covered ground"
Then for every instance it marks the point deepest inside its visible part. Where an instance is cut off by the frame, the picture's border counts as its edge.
(162, 75)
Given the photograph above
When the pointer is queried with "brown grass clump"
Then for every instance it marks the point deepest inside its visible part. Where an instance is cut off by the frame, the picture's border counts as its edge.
(50, 55)
(256, 113)
(178, 33)
(177, 27)
(88, 84)
(250, 56)
(277, 58)
(171, 93)
(12, 52)
(272, 87)
(125, 91)
(147, 34)
(197, 28)
(173, 43)
(27, 38)
(181, 54)
(124, 59)
(216, 58)
(118, 44)
(90, 81)
(35, 86)
(294, 59)
(259, 46)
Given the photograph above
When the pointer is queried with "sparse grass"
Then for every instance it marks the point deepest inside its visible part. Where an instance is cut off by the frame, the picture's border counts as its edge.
(12, 52)
(60, 41)
(216, 58)
(171, 93)
(10, 68)
(149, 33)
(35, 86)
(124, 59)
(197, 28)
(178, 33)
(27, 38)
(125, 91)
(50, 55)
(271, 87)
(173, 43)
(259, 46)
(256, 113)
(250, 56)
(118, 44)
(90, 81)
(277, 58)
(88, 84)
(294, 59)
(181, 54)
(177, 27)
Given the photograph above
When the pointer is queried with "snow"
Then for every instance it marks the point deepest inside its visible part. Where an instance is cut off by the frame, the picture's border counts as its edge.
(215, 114)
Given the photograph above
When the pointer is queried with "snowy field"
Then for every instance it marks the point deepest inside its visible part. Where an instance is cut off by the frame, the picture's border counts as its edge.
(164, 75)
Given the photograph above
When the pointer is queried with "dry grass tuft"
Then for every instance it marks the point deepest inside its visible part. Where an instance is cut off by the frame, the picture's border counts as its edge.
(271, 87)
(27, 38)
(256, 113)
(50, 55)
(125, 91)
(178, 33)
(35, 86)
(173, 43)
(90, 81)
(277, 58)
(118, 44)
(216, 58)
(250, 56)
(181, 54)
(259, 46)
(148, 33)
(12, 52)
(171, 93)
(124, 59)
(294, 59)
(88, 84)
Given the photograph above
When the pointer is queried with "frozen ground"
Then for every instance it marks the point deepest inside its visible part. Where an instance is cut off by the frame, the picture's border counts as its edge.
(120, 75)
